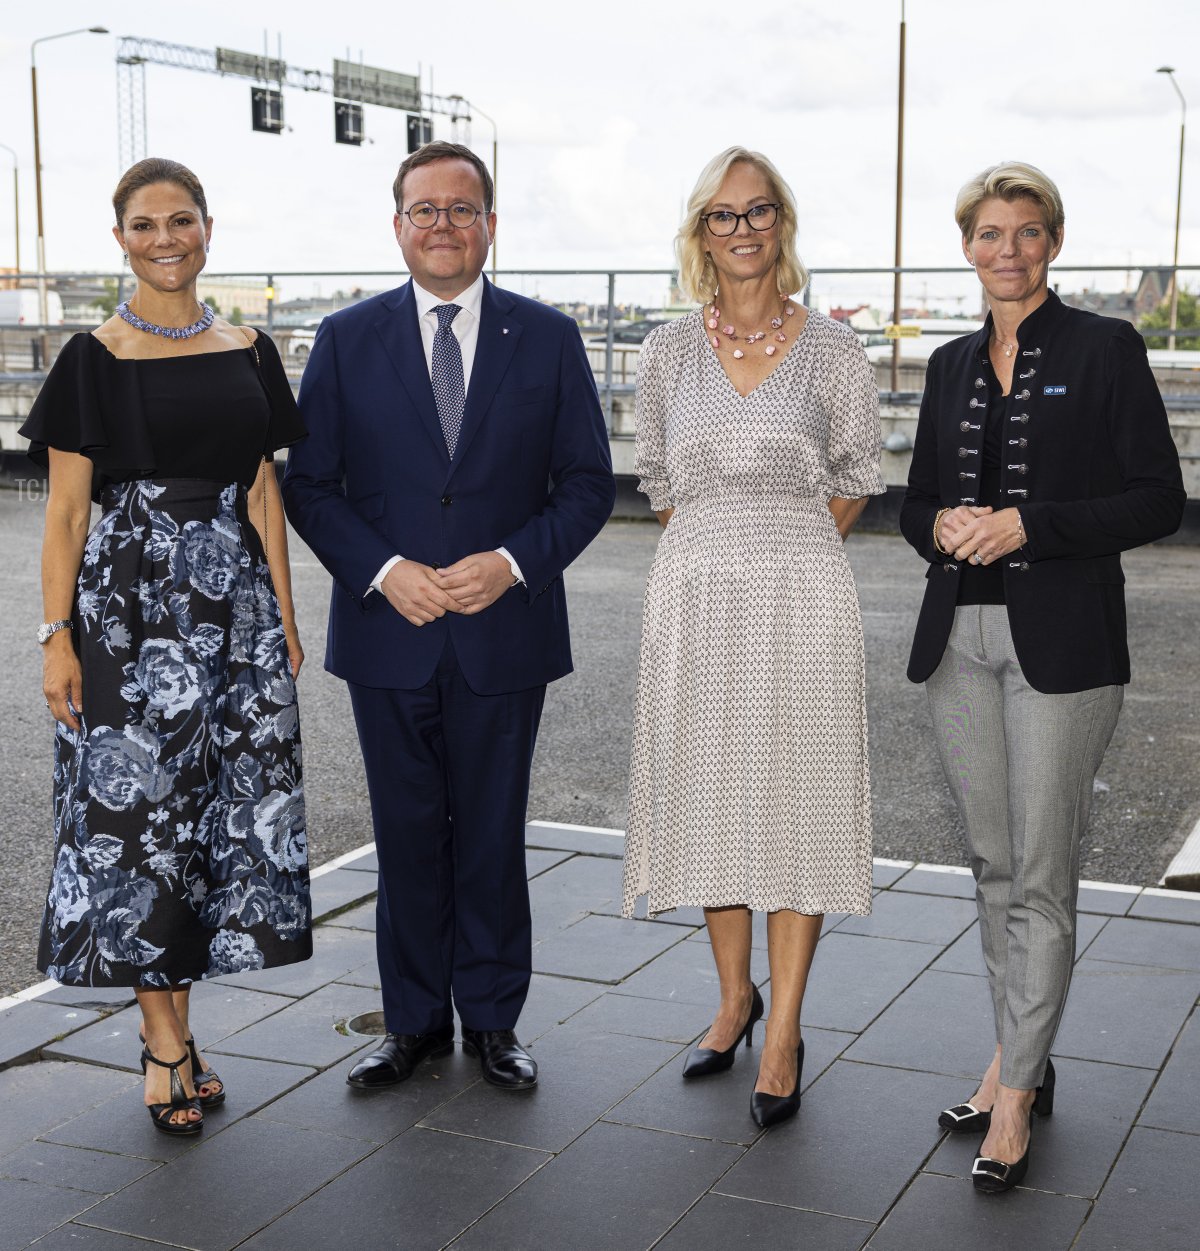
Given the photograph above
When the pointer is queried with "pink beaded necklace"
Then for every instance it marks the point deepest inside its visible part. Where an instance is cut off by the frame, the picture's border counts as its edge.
(714, 322)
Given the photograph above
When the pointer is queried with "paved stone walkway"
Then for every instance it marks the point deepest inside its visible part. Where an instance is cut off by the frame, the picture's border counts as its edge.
(612, 1150)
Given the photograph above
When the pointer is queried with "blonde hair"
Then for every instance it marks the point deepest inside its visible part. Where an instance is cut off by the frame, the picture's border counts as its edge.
(697, 277)
(1011, 180)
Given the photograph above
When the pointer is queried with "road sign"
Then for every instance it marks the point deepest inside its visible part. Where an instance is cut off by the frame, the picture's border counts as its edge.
(352, 81)
(250, 65)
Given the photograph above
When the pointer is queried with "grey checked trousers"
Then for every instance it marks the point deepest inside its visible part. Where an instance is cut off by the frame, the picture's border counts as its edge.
(1020, 765)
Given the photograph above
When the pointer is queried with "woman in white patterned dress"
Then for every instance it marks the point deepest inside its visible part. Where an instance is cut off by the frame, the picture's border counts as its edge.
(757, 444)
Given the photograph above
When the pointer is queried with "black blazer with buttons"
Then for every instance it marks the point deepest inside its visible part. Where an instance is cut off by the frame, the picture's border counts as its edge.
(1088, 458)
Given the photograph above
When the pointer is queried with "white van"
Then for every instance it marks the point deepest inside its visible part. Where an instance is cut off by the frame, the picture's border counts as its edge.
(21, 308)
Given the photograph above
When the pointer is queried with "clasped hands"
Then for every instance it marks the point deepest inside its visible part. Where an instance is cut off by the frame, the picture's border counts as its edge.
(979, 532)
(421, 593)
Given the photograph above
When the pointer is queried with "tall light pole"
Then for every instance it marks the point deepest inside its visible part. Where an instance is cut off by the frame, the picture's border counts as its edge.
(899, 203)
(16, 209)
(1169, 70)
(37, 159)
(474, 108)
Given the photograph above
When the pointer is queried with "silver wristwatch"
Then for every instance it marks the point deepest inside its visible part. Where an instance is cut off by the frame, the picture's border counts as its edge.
(48, 628)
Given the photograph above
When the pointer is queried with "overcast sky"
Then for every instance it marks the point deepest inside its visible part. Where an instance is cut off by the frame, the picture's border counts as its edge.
(606, 114)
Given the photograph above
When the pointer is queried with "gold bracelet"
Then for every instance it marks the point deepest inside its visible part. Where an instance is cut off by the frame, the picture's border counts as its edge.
(937, 521)
(1021, 536)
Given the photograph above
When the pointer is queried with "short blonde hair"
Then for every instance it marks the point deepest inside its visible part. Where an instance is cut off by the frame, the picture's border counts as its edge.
(697, 277)
(1011, 180)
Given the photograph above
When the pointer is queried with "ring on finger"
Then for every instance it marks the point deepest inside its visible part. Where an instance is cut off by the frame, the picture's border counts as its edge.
(976, 559)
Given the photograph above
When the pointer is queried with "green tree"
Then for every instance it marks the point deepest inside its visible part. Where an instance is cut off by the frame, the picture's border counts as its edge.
(235, 318)
(1188, 318)
(108, 301)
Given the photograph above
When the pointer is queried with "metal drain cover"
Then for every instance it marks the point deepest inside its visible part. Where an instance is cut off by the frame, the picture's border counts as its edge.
(368, 1023)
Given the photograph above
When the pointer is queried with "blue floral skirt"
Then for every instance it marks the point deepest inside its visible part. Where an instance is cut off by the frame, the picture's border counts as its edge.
(179, 808)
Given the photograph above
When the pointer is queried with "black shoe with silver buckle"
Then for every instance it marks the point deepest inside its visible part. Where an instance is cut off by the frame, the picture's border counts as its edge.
(966, 1118)
(994, 1177)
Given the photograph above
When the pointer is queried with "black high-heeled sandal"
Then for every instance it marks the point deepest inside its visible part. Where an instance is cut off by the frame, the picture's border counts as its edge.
(161, 1113)
(768, 1110)
(207, 1078)
(704, 1061)
(966, 1118)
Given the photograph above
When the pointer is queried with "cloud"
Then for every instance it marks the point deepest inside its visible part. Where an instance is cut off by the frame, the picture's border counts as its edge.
(1078, 97)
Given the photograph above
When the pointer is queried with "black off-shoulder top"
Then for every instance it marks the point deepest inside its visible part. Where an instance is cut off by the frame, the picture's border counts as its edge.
(213, 415)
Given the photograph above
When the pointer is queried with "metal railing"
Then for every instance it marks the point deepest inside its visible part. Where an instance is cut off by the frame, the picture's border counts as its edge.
(25, 351)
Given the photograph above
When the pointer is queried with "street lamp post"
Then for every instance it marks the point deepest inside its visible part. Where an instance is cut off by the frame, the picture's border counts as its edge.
(1169, 70)
(37, 161)
(474, 108)
(16, 209)
(899, 206)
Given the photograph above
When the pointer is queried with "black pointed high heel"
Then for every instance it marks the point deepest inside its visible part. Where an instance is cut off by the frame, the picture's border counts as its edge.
(161, 1113)
(966, 1118)
(703, 1061)
(768, 1110)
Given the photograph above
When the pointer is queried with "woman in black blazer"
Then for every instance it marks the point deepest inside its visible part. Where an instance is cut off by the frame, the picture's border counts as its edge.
(1042, 453)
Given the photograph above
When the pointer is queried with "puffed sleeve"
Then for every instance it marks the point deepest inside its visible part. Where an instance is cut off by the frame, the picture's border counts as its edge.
(67, 415)
(854, 436)
(285, 427)
(651, 405)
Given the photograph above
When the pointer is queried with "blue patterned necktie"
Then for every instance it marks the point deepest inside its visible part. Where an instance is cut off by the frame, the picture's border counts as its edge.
(447, 375)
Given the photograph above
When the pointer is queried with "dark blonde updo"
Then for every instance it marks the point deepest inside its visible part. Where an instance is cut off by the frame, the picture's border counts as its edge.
(156, 169)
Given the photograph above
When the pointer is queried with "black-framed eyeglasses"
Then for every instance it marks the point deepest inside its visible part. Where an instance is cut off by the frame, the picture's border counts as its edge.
(425, 215)
(722, 222)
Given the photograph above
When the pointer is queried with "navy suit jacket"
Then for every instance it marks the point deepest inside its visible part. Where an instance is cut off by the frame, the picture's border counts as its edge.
(374, 479)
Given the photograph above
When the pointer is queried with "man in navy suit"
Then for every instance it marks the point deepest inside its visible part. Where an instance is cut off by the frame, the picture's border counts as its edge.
(457, 462)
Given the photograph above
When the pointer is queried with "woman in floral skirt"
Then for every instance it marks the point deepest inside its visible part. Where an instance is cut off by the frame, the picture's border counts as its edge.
(170, 647)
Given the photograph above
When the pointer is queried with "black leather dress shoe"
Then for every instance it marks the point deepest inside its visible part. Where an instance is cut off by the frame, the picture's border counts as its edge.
(394, 1060)
(505, 1063)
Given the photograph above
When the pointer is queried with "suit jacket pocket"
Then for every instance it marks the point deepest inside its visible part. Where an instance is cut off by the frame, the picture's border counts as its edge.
(519, 398)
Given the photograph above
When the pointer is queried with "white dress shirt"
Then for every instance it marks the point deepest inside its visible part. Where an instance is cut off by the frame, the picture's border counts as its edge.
(466, 330)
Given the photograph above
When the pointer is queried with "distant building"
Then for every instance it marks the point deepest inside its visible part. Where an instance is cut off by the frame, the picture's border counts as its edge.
(246, 294)
(1129, 306)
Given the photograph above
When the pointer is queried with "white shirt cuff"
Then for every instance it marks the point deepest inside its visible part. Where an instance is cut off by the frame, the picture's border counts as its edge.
(377, 585)
(512, 564)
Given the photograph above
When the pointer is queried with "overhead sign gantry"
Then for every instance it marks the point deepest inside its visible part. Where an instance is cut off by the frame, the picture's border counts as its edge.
(351, 84)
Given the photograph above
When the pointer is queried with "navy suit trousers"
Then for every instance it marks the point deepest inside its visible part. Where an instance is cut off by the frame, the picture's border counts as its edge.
(448, 775)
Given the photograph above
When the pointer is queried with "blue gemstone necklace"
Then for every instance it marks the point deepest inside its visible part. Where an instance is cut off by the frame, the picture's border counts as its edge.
(125, 313)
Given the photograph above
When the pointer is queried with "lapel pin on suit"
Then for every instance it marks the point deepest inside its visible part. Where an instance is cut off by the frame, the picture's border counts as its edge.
(505, 330)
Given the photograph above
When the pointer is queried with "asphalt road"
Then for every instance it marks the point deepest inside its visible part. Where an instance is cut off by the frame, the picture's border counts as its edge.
(1147, 801)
